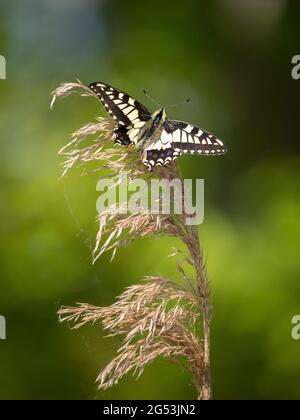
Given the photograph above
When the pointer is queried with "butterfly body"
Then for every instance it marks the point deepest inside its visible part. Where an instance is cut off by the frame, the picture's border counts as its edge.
(159, 140)
(151, 130)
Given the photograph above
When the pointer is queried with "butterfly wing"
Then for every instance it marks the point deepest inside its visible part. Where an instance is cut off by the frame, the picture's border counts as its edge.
(178, 138)
(161, 152)
(193, 140)
(122, 107)
(159, 157)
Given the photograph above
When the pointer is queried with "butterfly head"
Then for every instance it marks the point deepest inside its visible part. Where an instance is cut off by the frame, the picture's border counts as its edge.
(159, 116)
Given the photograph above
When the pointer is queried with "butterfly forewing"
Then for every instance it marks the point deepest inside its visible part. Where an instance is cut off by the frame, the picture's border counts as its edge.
(122, 107)
(190, 139)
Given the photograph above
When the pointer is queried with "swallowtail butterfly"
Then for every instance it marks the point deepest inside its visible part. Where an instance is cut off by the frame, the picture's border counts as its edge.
(159, 140)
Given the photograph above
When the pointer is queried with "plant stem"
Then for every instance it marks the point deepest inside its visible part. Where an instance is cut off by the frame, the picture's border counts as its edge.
(203, 289)
(190, 236)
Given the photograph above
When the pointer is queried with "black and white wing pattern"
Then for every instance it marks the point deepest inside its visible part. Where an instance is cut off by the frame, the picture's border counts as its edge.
(127, 111)
(179, 138)
(122, 107)
(161, 152)
(193, 140)
(172, 138)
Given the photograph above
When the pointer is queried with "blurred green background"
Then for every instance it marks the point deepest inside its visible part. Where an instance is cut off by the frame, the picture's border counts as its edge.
(233, 58)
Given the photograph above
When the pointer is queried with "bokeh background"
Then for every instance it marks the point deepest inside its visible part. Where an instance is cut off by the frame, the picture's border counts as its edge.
(233, 58)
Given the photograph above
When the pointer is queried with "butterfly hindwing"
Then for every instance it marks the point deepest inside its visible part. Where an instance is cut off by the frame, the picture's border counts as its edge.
(161, 152)
(155, 157)
(121, 136)
(122, 107)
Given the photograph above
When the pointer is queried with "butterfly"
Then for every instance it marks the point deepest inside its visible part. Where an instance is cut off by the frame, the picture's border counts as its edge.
(159, 140)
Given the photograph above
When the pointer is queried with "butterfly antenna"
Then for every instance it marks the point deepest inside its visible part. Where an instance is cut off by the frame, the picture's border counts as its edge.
(180, 103)
(153, 100)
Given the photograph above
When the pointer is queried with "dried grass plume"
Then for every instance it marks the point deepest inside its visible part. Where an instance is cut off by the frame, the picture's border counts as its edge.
(157, 318)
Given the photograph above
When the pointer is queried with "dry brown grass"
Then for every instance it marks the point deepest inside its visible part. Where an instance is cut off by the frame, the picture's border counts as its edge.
(157, 317)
